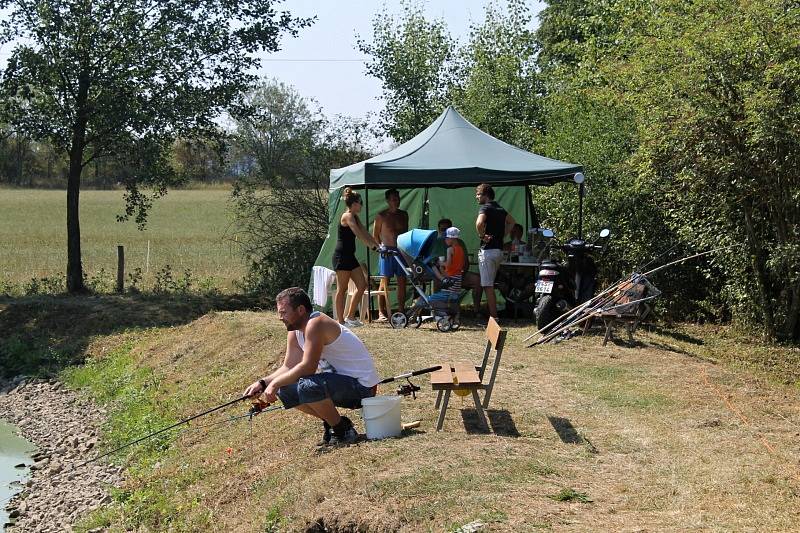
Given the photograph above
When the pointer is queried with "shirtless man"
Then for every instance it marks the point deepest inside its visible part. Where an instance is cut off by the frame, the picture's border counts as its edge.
(390, 223)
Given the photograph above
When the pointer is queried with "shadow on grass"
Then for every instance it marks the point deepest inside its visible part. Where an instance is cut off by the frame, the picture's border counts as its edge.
(500, 422)
(40, 335)
(565, 430)
(677, 335)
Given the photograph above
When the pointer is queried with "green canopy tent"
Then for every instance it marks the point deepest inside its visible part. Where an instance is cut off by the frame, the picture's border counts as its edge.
(436, 173)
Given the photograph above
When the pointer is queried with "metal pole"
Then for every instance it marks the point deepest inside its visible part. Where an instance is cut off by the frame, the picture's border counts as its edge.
(581, 192)
(369, 265)
(527, 211)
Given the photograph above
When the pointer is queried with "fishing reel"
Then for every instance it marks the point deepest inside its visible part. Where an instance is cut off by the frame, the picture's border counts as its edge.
(257, 406)
(408, 389)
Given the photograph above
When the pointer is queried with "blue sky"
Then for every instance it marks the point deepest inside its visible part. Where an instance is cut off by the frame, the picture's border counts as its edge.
(342, 87)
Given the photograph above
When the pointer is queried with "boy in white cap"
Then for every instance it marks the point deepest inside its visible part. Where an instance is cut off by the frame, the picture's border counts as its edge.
(456, 258)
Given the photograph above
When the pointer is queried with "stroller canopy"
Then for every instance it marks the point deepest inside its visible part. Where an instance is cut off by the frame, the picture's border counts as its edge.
(417, 242)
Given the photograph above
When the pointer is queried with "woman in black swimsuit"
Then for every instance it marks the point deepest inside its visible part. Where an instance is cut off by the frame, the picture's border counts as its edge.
(345, 263)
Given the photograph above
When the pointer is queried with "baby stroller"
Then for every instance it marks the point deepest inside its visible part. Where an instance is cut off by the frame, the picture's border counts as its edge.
(415, 247)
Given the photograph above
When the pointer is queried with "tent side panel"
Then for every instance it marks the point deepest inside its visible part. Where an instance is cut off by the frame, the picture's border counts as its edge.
(460, 206)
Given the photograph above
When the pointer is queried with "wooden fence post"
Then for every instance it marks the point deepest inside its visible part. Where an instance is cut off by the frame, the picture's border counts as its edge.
(120, 268)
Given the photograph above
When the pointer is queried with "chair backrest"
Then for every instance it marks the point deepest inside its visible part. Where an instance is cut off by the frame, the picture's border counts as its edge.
(495, 339)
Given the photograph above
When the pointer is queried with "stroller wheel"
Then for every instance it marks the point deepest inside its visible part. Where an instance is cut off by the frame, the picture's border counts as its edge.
(444, 324)
(417, 320)
(454, 325)
(398, 320)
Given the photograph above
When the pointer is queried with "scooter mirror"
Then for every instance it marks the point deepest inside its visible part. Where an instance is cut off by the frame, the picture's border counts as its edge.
(605, 232)
(548, 233)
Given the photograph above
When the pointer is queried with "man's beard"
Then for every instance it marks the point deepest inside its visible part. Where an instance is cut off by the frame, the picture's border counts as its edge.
(293, 326)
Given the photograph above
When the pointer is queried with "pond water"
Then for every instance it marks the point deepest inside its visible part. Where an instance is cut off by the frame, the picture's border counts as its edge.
(13, 451)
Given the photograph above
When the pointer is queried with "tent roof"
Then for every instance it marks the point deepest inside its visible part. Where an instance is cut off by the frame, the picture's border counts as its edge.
(451, 152)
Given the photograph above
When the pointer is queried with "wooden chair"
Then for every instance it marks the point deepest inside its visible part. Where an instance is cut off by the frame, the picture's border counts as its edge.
(467, 379)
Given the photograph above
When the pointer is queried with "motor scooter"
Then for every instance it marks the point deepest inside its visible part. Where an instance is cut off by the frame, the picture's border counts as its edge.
(561, 285)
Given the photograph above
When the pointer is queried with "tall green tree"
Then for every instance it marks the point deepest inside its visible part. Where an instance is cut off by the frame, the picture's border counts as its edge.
(716, 85)
(126, 78)
(281, 203)
(415, 60)
(501, 91)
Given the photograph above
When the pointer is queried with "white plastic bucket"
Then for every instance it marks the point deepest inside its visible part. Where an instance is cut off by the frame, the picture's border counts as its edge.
(381, 416)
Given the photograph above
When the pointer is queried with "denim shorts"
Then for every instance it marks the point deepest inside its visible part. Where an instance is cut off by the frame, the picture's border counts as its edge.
(344, 391)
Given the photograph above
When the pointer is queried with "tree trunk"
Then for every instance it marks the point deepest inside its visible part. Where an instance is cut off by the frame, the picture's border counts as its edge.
(758, 264)
(74, 268)
(19, 160)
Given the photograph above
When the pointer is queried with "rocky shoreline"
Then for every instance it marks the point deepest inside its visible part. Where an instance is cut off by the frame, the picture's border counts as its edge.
(64, 428)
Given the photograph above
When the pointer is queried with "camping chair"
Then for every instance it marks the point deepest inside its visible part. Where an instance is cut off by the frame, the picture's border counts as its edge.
(466, 379)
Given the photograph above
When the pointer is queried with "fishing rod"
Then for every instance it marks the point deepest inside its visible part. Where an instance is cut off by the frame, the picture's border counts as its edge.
(589, 315)
(409, 388)
(153, 434)
(691, 257)
(258, 407)
(656, 258)
(575, 320)
(572, 312)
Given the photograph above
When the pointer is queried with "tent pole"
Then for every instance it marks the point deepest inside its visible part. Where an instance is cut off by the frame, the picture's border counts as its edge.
(369, 262)
(527, 212)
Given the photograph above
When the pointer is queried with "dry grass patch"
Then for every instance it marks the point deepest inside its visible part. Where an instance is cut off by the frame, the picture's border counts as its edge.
(586, 438)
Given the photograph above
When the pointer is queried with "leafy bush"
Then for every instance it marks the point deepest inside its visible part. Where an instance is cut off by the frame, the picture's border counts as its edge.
(100, 282)
(45, 285)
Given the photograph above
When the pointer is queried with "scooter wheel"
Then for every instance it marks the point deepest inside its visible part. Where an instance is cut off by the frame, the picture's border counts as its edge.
(398, 320)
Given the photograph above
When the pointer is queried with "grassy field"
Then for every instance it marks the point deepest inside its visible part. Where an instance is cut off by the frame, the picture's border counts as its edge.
(187, 229)
(690, 428)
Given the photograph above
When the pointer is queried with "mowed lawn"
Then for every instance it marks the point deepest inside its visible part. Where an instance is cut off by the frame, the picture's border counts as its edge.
(187, 229)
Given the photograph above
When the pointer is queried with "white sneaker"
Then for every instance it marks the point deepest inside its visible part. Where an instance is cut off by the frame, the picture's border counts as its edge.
(355, 323)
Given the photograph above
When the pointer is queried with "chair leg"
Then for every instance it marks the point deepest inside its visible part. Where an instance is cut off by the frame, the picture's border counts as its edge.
(443, 410)
(384, 288)
(481, 414)
(364, 311)
(487, 394)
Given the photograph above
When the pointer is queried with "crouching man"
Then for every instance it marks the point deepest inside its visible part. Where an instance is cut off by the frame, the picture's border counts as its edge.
(326, 366)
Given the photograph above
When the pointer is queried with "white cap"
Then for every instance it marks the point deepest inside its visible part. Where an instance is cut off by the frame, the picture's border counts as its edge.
(452, 233)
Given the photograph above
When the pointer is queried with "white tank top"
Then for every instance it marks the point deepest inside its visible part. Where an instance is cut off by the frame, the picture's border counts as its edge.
(346, 355)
